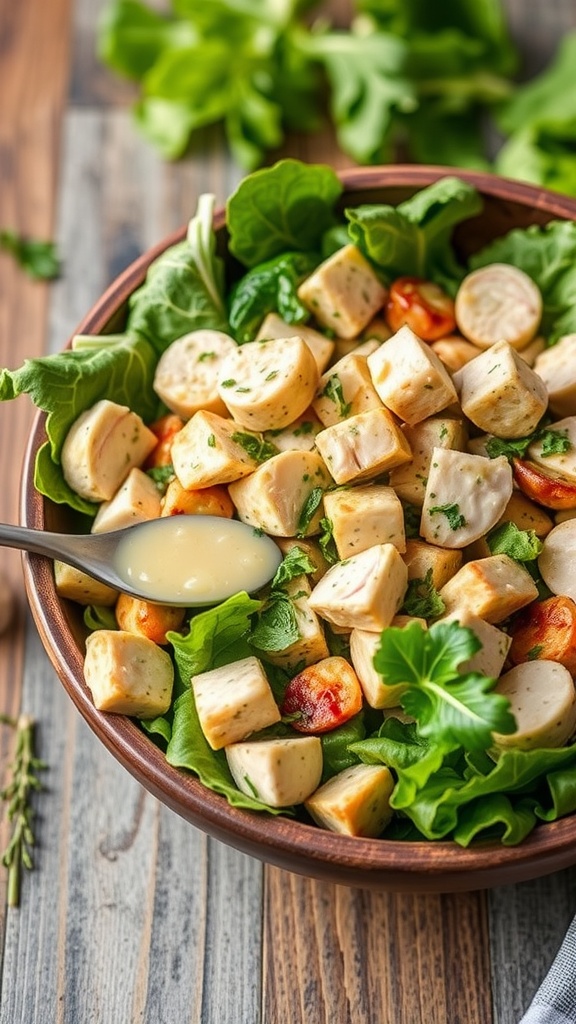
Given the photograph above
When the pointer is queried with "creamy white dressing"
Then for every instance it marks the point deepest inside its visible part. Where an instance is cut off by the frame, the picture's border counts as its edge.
(196, 560)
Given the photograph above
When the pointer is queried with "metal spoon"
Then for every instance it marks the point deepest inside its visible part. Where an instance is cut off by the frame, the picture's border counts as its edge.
(98, 555)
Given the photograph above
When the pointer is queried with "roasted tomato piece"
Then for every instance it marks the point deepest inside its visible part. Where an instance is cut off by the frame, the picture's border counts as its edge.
(207, 501)
(165, 429)
(323, 696)
(425, 307)
(550, 491)
(145, 619)
(545, 630)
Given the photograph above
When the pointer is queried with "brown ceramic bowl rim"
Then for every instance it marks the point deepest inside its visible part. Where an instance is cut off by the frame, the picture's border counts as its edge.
(377, 863)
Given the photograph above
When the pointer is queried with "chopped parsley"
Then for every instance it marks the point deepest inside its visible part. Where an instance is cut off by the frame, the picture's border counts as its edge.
(453, 514)
(255, 446)
(335, 393)
(228, 383)
(326, 540)
(308, 511)
(535, 652)
(422, 599)
(554, 442)
(211, 441)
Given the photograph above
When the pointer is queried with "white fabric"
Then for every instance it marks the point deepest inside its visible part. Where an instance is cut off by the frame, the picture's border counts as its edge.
(555, 1000)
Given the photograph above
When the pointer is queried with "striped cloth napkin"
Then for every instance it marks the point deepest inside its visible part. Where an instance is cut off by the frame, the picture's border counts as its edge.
(555, 1000)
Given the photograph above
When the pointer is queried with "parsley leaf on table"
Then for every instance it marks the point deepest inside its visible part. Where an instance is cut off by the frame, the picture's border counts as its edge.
(38, 258)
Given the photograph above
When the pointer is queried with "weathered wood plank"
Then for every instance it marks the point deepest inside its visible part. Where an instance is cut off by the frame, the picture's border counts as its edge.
(332, 953)
(34, 48)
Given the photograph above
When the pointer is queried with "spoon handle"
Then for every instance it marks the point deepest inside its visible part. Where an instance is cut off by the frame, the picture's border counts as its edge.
(40, 542)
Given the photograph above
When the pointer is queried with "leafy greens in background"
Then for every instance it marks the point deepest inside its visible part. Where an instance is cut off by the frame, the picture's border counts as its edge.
(404, 78)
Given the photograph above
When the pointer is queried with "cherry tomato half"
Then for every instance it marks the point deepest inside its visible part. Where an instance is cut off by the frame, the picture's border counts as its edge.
(323, 696)
(165, 430)
(424, 306)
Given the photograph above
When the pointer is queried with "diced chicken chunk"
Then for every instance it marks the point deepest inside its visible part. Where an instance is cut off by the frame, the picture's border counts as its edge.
(76, 585)
(491, 588)
(274, 497)
(234, 701)
(465, 497)
(128, 674)
(356, 802)
(212, 450)
(137, 501)
(101, 447)
(364, 591)
(421, 557)
(500, 393)
(363, 446)
(363, 516)
(345, 390)
(343, 293)
(280, 771)
(410, 378)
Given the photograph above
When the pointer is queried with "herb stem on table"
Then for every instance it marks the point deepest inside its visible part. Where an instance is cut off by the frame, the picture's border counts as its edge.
(23, 781)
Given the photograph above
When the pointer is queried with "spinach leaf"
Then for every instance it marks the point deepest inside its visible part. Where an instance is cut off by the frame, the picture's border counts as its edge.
(184, 287)
(548, 255)
(67, 383)
(270, 287)
(287, 207)
(415, 237)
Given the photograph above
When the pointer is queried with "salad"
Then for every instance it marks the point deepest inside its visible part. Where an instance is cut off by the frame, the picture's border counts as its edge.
(404, 426)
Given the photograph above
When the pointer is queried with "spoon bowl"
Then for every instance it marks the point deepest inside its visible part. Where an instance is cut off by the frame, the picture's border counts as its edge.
(192, 561)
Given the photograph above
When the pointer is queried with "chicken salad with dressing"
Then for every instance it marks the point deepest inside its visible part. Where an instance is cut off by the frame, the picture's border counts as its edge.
(404, 428)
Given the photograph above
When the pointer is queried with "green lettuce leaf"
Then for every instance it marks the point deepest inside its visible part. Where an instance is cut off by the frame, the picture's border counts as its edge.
(548, 255)
(270, 287)
(415, 237)
(184, 287)
(67, 383)
(287, 207)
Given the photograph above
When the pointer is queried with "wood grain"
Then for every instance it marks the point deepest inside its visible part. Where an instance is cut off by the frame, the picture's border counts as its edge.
(333, 953)
(34, 48)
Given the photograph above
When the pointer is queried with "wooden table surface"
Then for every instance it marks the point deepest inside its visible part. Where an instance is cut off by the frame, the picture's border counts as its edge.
(132, 915)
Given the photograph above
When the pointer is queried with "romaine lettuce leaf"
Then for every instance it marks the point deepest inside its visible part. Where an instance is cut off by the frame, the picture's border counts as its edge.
(184, 287)
(67, 383)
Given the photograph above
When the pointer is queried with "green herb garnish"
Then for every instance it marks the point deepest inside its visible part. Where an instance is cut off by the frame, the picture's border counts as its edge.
(452, 513)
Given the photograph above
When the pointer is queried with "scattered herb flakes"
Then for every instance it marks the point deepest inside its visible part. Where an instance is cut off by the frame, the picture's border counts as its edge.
(452, 512)
(335, 393)
(534, 652)
(309, 509)
(255, 446)
(422, 600)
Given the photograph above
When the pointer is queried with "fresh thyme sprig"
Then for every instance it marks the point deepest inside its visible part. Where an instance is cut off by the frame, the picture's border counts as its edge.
(16, 794)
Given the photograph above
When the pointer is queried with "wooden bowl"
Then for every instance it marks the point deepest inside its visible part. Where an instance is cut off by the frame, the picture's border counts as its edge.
(366, 863)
